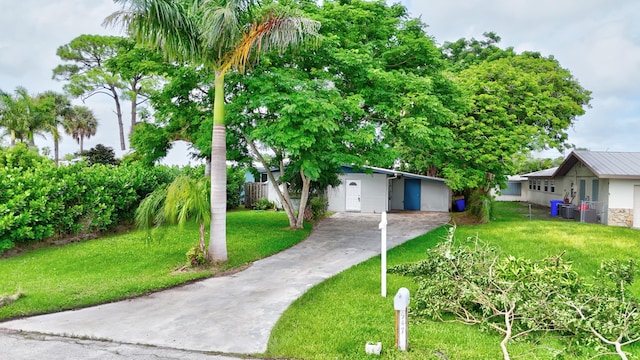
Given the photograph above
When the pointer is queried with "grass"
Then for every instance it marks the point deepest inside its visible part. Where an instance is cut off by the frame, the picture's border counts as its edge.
(127, 265)
(335, 319)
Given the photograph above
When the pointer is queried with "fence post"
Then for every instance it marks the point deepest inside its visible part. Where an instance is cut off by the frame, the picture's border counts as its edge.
(383, 254)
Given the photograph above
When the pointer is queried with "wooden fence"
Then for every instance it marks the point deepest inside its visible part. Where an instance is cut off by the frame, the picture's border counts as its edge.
(253, 192)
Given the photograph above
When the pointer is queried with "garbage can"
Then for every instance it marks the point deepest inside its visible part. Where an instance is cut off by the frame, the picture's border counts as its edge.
(555, 204)
(460, 204)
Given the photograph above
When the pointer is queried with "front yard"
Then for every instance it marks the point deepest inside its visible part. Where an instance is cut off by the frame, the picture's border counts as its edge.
(127, 265)
(336, 318)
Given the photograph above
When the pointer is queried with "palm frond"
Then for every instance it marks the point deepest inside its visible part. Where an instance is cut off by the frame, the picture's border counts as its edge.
(168, 25)
(274, 32)
(150, 211)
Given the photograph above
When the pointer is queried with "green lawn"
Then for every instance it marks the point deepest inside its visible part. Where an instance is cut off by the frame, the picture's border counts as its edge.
(335, 319)
(127, 265)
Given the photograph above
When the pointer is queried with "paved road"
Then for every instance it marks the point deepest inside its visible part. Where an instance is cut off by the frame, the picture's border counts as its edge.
(225, 315)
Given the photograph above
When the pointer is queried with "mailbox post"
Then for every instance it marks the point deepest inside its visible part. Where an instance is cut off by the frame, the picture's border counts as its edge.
(401, 306)
(383, 254)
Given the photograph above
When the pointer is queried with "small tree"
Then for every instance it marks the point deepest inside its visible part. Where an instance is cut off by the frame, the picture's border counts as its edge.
(101, 154)
(184, 199)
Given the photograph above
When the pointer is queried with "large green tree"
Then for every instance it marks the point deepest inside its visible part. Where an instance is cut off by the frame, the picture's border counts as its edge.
(300, 124)
(519, 103)
(85, 70)
(219, 35)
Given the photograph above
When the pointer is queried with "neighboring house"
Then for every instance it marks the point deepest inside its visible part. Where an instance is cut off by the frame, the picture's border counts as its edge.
(603, 186)
(516, 190)
(375, 190)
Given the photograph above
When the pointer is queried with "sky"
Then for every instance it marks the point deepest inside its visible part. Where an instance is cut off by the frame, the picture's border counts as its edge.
(597, 40)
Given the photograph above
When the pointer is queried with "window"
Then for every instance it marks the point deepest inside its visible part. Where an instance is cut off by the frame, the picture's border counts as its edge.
(553, 186)
(530, 184)
(546, 185)
(538, 184)
(513, 188)
(264, 177)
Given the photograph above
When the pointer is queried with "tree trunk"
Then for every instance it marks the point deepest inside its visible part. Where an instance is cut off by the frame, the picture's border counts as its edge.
(283, 194)
(218, 232)
(134, 107)
(304, 197)
(202, 246)
(56, 151)
(119, 116)
(81, 141)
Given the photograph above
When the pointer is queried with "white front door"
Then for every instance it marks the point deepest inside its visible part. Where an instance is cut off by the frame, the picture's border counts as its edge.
(636, 207)
(353, 195)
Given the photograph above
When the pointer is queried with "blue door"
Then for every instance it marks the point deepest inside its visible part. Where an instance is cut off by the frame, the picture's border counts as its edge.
(411, 194)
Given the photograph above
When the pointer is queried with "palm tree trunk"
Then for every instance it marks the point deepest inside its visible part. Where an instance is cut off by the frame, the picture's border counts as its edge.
(218, 232)
(81, 141)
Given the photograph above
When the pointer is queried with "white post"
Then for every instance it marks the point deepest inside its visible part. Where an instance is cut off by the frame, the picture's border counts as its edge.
(401, 306)
(383, 254)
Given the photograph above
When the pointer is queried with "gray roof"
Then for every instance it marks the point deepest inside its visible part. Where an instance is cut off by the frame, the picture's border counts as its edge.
(614, 165)
(378, 170)
(542, 173)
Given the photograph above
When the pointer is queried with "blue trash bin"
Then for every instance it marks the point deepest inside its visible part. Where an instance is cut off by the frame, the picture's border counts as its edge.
(554, 207)
(460, 204)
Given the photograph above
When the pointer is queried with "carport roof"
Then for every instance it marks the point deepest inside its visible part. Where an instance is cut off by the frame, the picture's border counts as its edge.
(377, 170)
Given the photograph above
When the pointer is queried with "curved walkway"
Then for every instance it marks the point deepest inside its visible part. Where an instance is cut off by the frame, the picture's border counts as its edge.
(235, 314)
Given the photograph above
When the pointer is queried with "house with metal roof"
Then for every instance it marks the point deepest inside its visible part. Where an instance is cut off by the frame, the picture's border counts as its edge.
(602, 187)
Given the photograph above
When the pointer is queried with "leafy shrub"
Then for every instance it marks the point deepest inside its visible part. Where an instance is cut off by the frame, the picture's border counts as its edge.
(21, 156)
(196, 257)
(480, 206)
(263, 204)
(235, 186)
(316, 208)
(43, 201)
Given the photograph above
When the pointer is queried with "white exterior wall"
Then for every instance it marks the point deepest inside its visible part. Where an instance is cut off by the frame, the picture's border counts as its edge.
(397, 194)
(621, 193)
(374, 193)
(434, 196)
(524, 193)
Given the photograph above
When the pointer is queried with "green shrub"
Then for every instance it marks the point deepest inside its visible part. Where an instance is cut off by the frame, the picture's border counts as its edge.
(235, 185)
(263, 204)
(43, 201)
(316, 208)
(480, 206)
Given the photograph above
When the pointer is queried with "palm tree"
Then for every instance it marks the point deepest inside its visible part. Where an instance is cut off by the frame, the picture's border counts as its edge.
(15, 111)
(220, 35)
(184, 199)
(80, 123)
(59, 110)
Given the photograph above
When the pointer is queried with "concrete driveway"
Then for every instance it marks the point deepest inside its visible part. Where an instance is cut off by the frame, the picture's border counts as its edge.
(235, 314)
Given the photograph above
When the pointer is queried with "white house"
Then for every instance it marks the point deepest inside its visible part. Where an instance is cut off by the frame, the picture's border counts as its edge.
(603, 186)
(374, 190)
